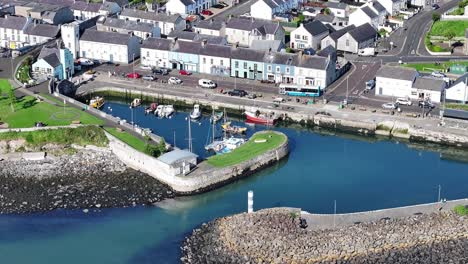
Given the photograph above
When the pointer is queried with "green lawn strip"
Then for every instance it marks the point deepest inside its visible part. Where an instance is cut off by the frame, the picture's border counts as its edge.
(128, 138)
(457, 106)
(458, 27)
(84, 135)
(248, 151)
(52, 98)
(5, 86)
(429, 67)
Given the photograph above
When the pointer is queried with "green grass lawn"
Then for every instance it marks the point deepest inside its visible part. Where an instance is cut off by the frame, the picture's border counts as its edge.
(128, 138)
(85, 135)
(457, 106)
(248, 150)
(28, 111)
(429, 67)
(458, 27)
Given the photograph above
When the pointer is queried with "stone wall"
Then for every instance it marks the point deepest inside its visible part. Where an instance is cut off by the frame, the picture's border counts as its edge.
(203, 178)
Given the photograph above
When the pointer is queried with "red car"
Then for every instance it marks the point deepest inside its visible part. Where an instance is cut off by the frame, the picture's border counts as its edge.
(207, 13)
(184, 72)
(133, 75)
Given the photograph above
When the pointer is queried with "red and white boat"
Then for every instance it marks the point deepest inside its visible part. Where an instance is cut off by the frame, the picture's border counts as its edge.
(261, 118)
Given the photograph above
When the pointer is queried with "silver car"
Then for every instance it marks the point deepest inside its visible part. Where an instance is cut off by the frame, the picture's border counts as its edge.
(390, 106)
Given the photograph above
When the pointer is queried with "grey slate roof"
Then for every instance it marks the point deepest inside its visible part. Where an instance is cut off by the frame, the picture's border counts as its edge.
(176, 156)
(400, 73)
(329, 50)
(52, 60)
(213, 24)
(13, 22)
(158, 17)
(324, 18)
(247, 54)
(43, 30)
(192, 36)
(216, 51)
(336, 5)
(315, 28)
(331, 29)
(105, 37)
(126, 24)
(313, 62)
(187, 47)
(266, 45)
(187, 2)
(378, 6)
(425, 83)
(363, 32)
(50, 55)
(337, 34)
(281, 58)
(184, 35)
(269, 3)
(157, 44)
(247, 24)
(369, 12)
(461, 79)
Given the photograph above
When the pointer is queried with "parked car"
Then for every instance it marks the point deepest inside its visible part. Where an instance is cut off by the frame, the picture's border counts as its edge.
(90, 72)
(207, 13)
(174, 80)
(160, 71)
(251, 96)
(404, 101)
(85, 62)
(426, 104)
(435, 6)
(184, 72)
(237, 92)
(391, 106)
(205, 83)
(370, 84)
(437, 74)
(133, 75)
(145, 67)
(149, 78)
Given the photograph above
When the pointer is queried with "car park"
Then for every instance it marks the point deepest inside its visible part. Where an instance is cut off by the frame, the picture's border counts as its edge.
(426, 104)
(391, 106)
(205, 83)
(133, 75)
(149, 78)
(437, 74)
(237, 92)
(174, 80)
(404, 101)
(184, 72)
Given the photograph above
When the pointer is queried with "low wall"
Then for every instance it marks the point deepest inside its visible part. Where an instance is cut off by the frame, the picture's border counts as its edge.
(203, 178)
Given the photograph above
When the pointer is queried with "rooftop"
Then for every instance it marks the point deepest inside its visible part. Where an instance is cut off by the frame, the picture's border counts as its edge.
(158, 17)
(157, 44)
(395, 72)
(336, 5)
(105, 37)
(247, 54)
(315, 27)
(337, 34)
(13, 22)
(427, 83)
(212, 24)
(176, 156)
(125, 24)
(249, 24)
(363, 32)
(369, 12)
(313, 62)
(43, 30)
(266, 45)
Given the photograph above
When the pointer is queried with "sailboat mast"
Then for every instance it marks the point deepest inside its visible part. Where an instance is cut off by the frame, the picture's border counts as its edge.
(190, 134)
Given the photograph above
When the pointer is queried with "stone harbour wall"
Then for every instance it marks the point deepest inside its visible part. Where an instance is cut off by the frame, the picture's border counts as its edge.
(275, 236)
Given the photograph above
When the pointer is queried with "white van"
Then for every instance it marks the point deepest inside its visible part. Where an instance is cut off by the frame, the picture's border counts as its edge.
(205, 83)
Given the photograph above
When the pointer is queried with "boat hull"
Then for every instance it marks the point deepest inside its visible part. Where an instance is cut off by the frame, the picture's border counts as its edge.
(259, 120)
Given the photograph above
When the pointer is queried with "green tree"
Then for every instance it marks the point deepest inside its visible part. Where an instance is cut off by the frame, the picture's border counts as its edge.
(449, 35)
(326, 11)
(12, 99)
(435, 17)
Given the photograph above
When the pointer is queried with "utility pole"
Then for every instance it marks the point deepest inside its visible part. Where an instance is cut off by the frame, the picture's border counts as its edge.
(174, 139)
(347, 89)
(190, 134)
(334, 215)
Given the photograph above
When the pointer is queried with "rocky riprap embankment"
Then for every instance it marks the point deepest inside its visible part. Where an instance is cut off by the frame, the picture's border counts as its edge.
(274, 236)
(86, 179)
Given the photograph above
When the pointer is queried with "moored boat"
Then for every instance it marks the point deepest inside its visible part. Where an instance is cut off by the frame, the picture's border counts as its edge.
(229, 145)
(135, 103)
(168, 111)
(215, 117)
(261, 118)
(150, 109)
(233, 129)
(196, 112)
(97, 102)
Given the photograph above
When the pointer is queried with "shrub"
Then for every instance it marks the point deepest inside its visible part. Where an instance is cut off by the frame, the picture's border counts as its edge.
(461, 210)
(435, 17)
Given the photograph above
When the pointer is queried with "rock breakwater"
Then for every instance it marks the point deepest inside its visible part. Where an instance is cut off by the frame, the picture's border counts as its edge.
(275, 236)
(86, 179)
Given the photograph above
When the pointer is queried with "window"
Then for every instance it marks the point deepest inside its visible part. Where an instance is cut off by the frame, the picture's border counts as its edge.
(221, 62)
(69, 44)
(304, 37)
(347, 43)
(245, 65)
(297, 36)
(300, 71)
(269, 68)
(204, 60)
(211, 61)
(287, 70)
(49, 70)
(147, 53)
(255, 67)
(236, 64)
(278, 69)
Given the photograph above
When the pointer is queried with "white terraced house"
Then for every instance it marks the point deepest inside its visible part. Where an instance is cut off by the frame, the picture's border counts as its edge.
(187, 7)
(308, 35)
(243, 31)
(19, 32)
(155, 52)
(266, 9)
(167, 23)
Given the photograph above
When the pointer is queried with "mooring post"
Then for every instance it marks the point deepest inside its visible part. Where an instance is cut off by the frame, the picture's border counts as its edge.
(250, 195)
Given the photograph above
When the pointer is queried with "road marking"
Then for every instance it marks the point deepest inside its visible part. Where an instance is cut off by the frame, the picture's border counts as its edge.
(337, 85)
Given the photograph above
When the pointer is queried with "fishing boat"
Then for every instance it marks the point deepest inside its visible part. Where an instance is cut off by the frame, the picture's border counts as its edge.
(230, 144)
(168, 111)
(150, 109)
(233, 129)
(159, 111)
(261, 118)
(196, 113)
(215, 117)
(135, 103)
(97, 102)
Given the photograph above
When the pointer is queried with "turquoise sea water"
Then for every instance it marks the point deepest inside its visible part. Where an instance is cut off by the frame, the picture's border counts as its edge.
(359, 173)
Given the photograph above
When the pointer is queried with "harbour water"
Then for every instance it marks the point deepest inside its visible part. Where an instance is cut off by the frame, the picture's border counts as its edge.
(359, 173)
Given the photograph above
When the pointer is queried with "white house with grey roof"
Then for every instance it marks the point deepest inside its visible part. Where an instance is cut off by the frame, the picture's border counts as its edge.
(12, 32)
(197, 37)
(309, 35)
(47, 13)
(332, 38)
(54, 63)
(84, 10)
(109, 46)
(142, 30)
(364, 15)
(155, 52)
(213, 27)
(338, 9)
(187, 7)
(243, 31)
(458, 91)
(266, 9)
(167, 23)
(393, 7)
(379, 9)
(215, 59)
(331, 20)
(361, 37)
(315, 71)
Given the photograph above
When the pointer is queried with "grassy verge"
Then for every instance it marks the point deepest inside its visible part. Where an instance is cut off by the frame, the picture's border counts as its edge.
(27, 111)
(457, 106)
(144, 146)
(461, 210)
(440, 28)
(52, 98)
(85, 135)
(429, 67)
(248, 151)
